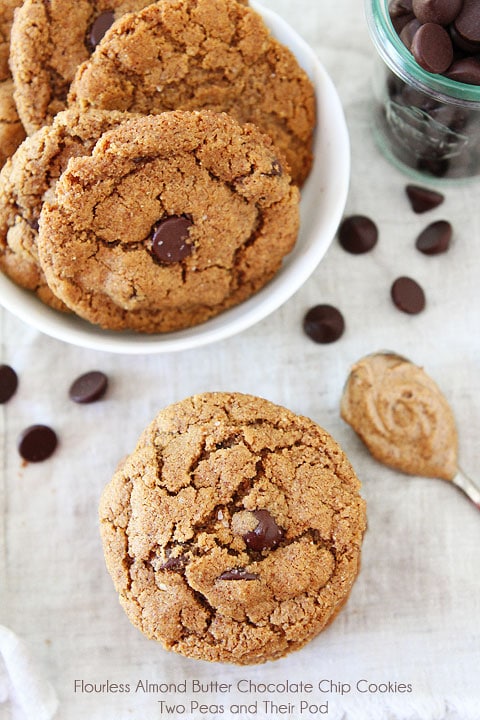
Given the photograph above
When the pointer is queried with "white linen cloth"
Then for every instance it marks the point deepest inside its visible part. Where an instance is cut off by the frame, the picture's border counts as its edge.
(413, 618)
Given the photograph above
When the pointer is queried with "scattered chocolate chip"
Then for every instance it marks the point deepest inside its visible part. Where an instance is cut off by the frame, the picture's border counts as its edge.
(408, 296)
(423, 199)
(357, 234)
(88, 387)
(324, 324)
(99, 27)
(432, 48)
(442, 12)
(169, 239)
(8, 383)
(435, 239)
(238, 574)
(266, 535)
(37, 443)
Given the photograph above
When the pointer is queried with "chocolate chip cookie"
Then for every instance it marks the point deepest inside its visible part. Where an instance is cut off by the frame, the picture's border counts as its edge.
(28, 178)
(11, 128)
(49, 41)
(195, 54)
(172, 219)
(233, 531)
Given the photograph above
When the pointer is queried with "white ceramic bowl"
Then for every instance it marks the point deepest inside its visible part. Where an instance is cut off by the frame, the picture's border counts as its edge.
(323, 201)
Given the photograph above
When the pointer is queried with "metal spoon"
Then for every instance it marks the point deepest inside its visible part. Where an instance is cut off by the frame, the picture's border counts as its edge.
(404, 419)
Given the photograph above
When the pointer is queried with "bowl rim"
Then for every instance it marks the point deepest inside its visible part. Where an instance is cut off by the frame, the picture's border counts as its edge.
(297, 266)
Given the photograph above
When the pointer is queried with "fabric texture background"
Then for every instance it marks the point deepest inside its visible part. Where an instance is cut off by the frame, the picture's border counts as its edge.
(413, 618)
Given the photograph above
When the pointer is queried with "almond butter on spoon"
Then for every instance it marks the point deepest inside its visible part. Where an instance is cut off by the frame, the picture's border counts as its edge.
(404, 419)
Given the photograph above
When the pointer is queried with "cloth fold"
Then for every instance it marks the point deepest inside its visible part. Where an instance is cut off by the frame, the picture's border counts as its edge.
(22, 684)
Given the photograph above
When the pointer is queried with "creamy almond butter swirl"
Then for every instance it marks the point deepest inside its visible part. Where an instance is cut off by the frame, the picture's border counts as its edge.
(401, 416)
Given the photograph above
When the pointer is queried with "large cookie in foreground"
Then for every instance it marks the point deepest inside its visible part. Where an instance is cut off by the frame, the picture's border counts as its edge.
(195, 54)
(172, 219)
(28, 178)
(49, 41)
(233, 531)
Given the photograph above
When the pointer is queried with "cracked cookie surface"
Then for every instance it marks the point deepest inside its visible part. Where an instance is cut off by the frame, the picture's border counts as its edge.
(172, 219)
(233, 531)
(11, 129)
(50, 39)
(28, 178)
(196, 54)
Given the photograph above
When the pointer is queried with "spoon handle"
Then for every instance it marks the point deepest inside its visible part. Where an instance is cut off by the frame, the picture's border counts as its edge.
(467, 485)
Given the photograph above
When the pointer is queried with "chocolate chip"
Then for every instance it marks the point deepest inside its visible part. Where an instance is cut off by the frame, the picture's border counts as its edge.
(467, 23)
(435, 238)
(358, 234)
(266, 535)
(465, 70)
(432, 48)
(401, 13)
(423, 199)
(324, 324)
(174, 564)
(408, 296)
(37, 443)
(408, 32)
(8, 383)
(88, 387)
(99, 27)
(238, 574)
(442, 12)
(277, 169)
(169, 239)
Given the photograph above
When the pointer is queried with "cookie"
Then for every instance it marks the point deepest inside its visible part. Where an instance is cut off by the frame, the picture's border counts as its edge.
(11, 129)
(233, 531)
(172, 219)
(49, 41)
(28, 178)
(196, 54)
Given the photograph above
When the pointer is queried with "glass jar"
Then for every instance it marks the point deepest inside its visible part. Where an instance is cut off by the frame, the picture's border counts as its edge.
(426, 124)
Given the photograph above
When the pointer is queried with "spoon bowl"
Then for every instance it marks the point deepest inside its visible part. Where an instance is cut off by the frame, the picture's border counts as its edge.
(404, 419)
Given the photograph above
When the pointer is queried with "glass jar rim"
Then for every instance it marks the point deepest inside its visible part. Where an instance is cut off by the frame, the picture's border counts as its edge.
(400, 60)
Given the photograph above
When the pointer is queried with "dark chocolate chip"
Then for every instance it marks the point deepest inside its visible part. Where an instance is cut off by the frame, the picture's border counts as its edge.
(470, 47)
(423, 199)
(358, 234)
(408, 32)
(169, 241)
(89, 387)
(467, 23)
(438, 167)
(174, 564)
(277, 169)
(37, 443)
(408, 296)
(8, 383)
(435, 238)
(465, 70)
(432, 48)
(266, 535)
(442, 12)
(238, 574)
(324, 324)
(99, 27)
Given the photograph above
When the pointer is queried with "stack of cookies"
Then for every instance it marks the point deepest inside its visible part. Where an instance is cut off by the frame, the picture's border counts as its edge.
(167, 142)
